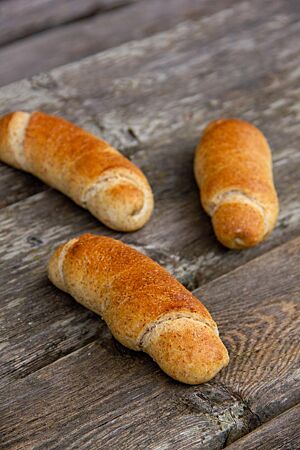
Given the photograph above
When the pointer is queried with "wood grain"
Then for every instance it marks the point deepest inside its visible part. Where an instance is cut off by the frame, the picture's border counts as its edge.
(17, 185)
(179, 236)
(194, 258)
(153, 127)
(74, 405)
(261, 328)
(20, 18)
(105, 107)
(68, 404)
(65, 382)
(77, 40)
(282, 433)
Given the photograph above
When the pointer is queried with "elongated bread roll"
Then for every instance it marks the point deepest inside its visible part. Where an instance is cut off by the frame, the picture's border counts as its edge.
(143, 305)
(233, 169)
(82, 166)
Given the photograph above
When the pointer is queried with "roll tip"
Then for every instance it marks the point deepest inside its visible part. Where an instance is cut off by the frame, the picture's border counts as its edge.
(122, 206)
(55, 265)
(239, 225)
(187, 350)
(54, 270)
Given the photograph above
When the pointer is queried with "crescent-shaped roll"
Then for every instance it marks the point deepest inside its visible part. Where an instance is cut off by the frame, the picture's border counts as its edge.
(82, 166)
(233, 169)
(144, 306)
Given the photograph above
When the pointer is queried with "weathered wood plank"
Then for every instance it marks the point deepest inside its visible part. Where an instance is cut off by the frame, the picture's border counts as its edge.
(68, 403)
(282, 433)
(19, 18)
(167, 127)
(86, 37)
(42, 93)
(194, 258)
(17, 185)
(74, 404)
(105, 393)
(260, 316)
(107, 107)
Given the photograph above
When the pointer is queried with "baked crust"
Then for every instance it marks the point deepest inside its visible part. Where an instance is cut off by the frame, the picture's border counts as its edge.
(82, 166)
(233, 169)
(144, 306)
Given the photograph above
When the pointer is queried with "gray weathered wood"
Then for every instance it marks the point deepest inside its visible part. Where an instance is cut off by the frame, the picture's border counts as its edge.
(179, 236)
(281, 433)
(75, 404)
(259, 310)
(152, 99)
(105, 393)
(99, 97)
(194, 258)
(175, 121)
(17, 185)
(74, 41)
(19, 18)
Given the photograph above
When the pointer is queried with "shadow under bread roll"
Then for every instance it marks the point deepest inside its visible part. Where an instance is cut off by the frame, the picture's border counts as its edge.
(233, 169)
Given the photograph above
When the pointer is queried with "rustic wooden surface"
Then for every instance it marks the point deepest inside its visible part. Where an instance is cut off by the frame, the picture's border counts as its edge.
(100, 24)
(283, 432)
(65, 383)
(21, 18)
(104, 393)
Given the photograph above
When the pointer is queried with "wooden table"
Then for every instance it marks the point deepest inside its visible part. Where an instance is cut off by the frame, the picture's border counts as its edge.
(65, 383)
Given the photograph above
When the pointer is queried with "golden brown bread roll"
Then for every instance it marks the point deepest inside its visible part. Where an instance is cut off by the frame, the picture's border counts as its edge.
(144, 306)
(233, 169)
(82, 166)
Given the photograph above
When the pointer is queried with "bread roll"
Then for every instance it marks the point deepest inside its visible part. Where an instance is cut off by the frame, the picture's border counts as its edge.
(82, 166)
(144, 306)
(233, 169)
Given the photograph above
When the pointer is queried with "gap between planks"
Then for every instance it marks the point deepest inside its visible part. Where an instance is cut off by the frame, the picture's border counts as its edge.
(282, 432)
(20, 19)
(89, 36)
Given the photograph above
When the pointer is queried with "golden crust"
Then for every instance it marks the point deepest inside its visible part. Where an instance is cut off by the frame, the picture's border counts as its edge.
(12, 129)
(137, 298)
(238, 225)
(6, 154)
(54, 146)
(233, 169)
(187, 350)
(84, 167)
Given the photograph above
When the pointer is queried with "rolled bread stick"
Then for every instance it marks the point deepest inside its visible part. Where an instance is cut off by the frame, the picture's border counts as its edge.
(233, 169)
(82, 166)
(145, 308)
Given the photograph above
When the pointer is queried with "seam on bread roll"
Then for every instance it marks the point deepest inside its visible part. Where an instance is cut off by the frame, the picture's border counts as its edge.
(232, 194)
(16, 135)
(142, 342)
(61, 259)
(111, 180)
